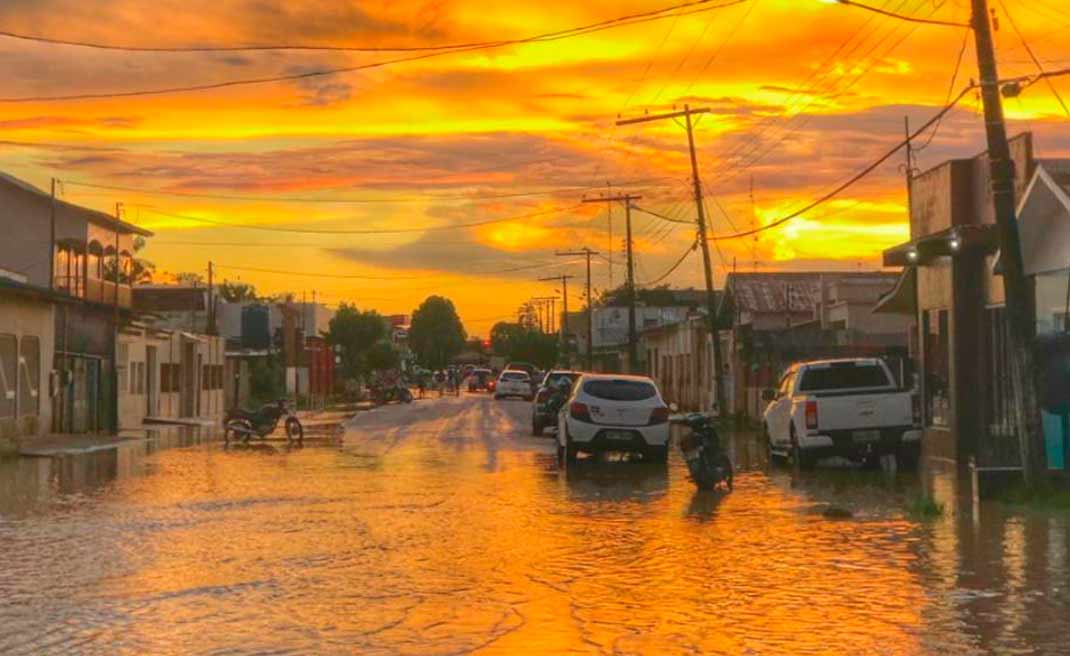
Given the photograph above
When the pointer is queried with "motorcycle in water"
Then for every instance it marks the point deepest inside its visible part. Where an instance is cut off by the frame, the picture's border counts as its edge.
(244, 424)
(707, 463)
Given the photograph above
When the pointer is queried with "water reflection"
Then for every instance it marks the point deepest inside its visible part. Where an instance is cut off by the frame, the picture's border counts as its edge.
(406, 542)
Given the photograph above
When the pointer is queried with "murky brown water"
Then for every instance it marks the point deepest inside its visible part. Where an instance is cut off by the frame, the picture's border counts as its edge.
(441, 528)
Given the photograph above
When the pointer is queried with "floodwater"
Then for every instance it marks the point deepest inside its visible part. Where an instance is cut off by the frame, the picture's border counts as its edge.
(443, 528)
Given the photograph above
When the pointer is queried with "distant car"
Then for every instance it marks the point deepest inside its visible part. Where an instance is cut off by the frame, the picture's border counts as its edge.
(608, 412)
(848, 407)
(480, 380)
(541, 414)
(513, 383)
(522, 366)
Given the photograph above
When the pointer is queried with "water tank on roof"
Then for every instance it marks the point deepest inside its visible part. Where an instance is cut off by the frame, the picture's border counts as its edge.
(255, 332)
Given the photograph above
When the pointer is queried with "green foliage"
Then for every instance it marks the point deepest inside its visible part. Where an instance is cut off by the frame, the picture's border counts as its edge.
(659, 296)
(355, 332)
(521, 343)
(382, 355)
(923, 507)
(436, 335)
(236, 292)
(189, 279)
(266, 379)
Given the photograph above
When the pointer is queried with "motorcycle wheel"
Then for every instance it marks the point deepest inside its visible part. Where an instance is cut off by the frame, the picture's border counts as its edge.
(294, 430)
(239, 428)
(406, 396)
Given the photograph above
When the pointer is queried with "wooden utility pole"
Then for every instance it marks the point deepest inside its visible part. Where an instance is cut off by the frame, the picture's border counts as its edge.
(633, 337)
(586, 252)
(564, 311)
(1020, 327)
(52, 240)
(211, 318)
(703, 239)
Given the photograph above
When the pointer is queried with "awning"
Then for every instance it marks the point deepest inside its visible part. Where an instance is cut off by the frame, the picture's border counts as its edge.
(200, 339)
(901, 299)
(947, 242)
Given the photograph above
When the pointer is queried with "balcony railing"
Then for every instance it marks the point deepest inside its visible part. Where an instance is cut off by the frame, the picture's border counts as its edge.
(96, 290)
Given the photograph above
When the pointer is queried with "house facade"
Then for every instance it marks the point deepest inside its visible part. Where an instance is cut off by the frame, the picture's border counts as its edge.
(952, 288)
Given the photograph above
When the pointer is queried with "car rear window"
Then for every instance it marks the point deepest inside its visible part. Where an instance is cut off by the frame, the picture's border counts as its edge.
(554, 379)
(843, 376)
(514, 375)
(620, 390)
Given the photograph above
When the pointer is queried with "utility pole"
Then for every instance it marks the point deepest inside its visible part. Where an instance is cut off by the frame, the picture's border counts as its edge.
(711, 300)
(586, 252)
(564, 310)
(543, 303)
(1015, 285)
(210, 328)
(52, 240)
(633, 338)
(609, 212)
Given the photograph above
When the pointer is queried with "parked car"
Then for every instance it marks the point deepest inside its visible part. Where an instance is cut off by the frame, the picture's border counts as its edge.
(513, 383)
(543, 412)
(848, 407)
(608, 412)
(480, 380)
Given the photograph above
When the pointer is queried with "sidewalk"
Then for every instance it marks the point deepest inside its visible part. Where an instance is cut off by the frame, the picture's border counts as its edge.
(57, 444)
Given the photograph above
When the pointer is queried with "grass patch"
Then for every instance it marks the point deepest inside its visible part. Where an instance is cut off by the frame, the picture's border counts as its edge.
(1050, 498)
(925, 508)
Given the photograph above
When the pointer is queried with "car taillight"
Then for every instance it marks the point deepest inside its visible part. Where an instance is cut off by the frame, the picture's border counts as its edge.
(543, 395)
(659, 415)
(579, 411)
(811, 414)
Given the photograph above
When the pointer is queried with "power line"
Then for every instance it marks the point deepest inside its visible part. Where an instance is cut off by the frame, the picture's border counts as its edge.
(904, 17)
(853, 179)
(950, 90)
(342, 276)
(688, 8)
(675, 266)
(1032, 55)
(339, 201)
(368, 231)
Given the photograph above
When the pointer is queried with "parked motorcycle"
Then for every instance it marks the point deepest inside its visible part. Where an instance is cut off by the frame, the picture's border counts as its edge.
(707, 463)
(244, 424)
(383, 394)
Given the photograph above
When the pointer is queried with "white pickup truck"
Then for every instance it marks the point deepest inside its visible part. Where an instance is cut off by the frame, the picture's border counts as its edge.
(850, 407)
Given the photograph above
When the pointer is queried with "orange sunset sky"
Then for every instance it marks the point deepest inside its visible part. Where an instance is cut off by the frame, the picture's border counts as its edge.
(802, 94)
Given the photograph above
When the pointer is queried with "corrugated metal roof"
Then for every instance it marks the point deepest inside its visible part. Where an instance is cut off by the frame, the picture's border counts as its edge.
(791, 291)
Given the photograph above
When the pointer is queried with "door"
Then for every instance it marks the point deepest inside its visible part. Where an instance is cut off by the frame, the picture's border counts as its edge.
(778, 415)
(189, 380)
(151, 381)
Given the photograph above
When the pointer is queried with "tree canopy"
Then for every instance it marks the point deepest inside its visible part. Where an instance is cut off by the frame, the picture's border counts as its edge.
(518, 342)
(356, 333)
(436, 334)
(236, 292)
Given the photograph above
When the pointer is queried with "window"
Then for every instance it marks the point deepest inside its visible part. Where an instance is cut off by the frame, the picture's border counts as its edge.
(847, 375)
(206, 377)
(122, 367)
(29, 375)
(139, 378)
(620, 390)
(1053, 302)
(9, 359)
(515, 376)
(935, 329)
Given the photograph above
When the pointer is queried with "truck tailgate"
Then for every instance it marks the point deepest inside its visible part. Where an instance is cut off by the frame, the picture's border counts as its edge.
(862, 411)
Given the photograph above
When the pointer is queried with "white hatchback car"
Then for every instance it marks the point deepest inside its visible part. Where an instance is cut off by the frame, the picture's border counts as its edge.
(513, 382)
(608, 412)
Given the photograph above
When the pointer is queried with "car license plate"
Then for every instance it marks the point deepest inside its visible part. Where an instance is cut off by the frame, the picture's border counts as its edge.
(618, 435)
(866, 436)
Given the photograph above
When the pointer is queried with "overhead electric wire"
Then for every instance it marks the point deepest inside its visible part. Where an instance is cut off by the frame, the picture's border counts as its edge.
(341, 276)
(1036, 60)
(950, 90)
(853, 179)
(674, 267)
(367, 231)
(661, 216)
(338, 201)
(687, 8)
(903, 17)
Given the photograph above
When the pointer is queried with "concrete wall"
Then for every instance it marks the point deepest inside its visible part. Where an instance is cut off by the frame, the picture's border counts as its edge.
(24, 317)
(134, 402)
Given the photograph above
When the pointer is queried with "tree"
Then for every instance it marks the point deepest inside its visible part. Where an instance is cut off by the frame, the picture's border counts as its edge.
(189, 279)
(355, 332)
(236, 292)
(382, 355)
(660, 296)
(436, 334)
(525, 344)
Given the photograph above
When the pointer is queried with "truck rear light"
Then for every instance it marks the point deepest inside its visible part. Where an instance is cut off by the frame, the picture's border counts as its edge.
(579, 411)
(659, 415)
(811, 415)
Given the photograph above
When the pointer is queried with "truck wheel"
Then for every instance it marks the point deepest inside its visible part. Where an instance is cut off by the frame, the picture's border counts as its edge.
(770, 456)
(799, 456)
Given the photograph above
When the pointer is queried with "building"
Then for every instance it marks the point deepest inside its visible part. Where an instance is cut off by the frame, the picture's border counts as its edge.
(773, 319)
(951, 288)
(679, 358)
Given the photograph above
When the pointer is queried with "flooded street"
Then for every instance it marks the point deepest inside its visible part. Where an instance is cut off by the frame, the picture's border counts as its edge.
(443, 528)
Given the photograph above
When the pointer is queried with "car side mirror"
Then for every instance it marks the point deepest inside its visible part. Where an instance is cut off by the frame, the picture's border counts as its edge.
(769, 394)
